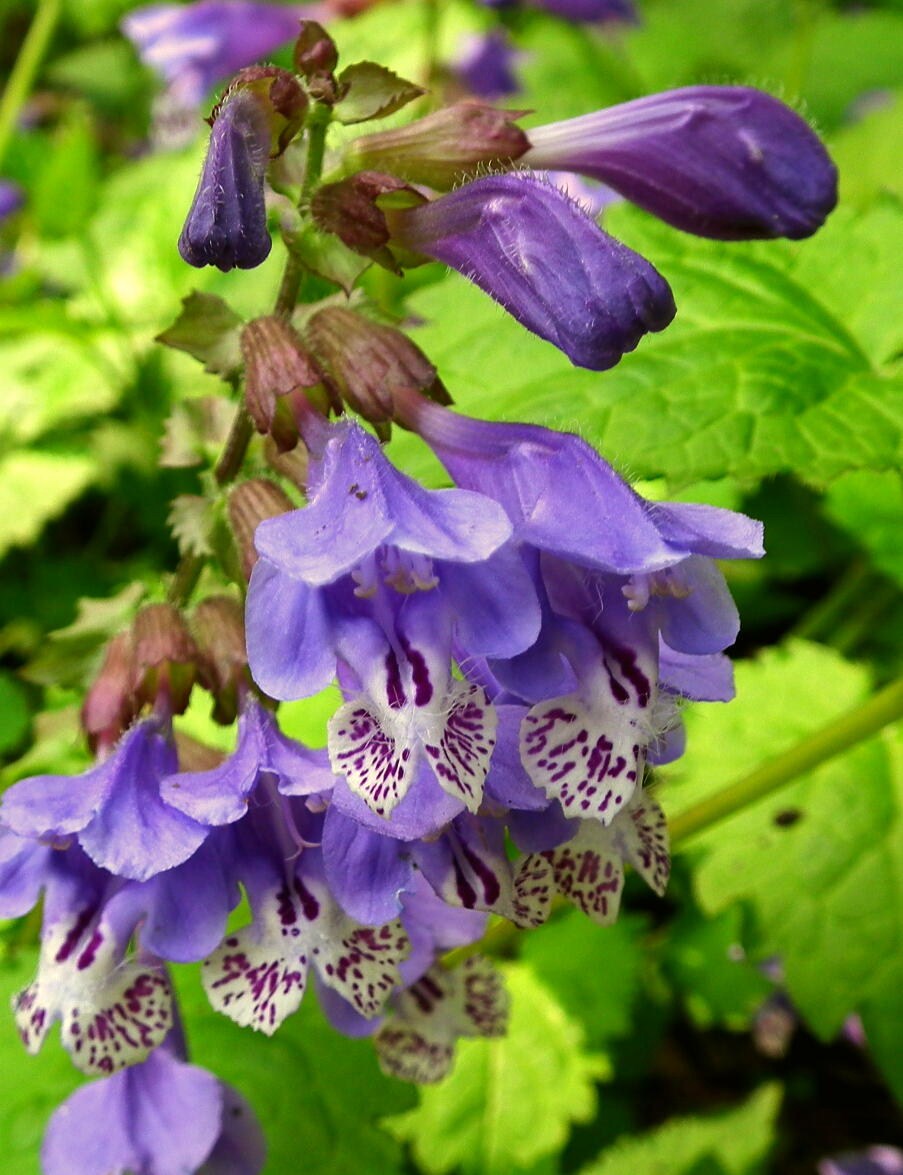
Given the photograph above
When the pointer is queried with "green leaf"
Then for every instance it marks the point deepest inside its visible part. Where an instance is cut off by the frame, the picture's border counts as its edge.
(58, 748)
(196, 431)
(70, 654)
(762, 370)
(35, 487)
(191, 520)
(508, 1102)
(593, 971)
(209, 330)
(318, 1095)
(818, 862)
(65, 192)
(734, 1143)
(869, 507)
(30, 1087)
(867, 155)
(50, 380)
(373, 92)
(14, 712)
(708, 966)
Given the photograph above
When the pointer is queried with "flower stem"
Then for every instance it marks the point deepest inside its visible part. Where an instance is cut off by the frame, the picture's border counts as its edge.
(838, 736)
(25, 69)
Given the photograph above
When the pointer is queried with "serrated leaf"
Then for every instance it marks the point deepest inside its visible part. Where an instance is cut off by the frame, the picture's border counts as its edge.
(326, 256)
(35, 487)
(318, 1095)
(209, 330)
(191, 523)
(58, 748)
(195, 431)
(762, 371)
(592, 970)
(818, 863)
(735, 1143)
(500, 1110)
(373, 92)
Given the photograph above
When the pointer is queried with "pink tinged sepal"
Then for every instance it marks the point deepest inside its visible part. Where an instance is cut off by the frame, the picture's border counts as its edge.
(586, 754)
(417, 1043)
(113, 1014)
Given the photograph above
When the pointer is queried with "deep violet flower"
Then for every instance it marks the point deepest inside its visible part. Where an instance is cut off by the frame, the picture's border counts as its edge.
(160, 1117)
(194, 46)
(728, 162)
(11, 198)
(226, 225)
(485, 64)
(539, 255)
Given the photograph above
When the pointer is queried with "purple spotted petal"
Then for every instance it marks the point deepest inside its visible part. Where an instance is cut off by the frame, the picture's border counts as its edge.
(424, 811)
(361, 502)
(546, 262)
(367, 873)
(226, 225)
(434, 927)
(588, 871)
(160, 1116)
(720, 161)
(641, 835)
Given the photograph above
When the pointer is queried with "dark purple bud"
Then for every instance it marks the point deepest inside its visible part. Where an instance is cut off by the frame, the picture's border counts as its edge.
(551, 267)
(368, 361)
(227, 224)
(444, 147)
(720, 161)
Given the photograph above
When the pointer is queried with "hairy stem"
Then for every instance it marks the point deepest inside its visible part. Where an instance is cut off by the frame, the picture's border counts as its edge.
(25, 69)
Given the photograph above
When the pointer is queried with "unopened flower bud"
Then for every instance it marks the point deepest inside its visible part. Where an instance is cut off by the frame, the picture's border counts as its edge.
(109, 706)
(218, 627)
(443, 148)
(368, 361)
(261, 111)
(279, 370)
(350, 210)
(315, 51)
(164, 657)
(249, 504)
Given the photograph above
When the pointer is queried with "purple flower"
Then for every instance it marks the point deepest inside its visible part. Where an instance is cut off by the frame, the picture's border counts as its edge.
(417, 1042)
(727, 162)
(11, 198)
(589, 11)
(114, 810)
(877, 1160)
(484, 64)
(403, 571)
(226, 225)
(545, 261)
(193, 46)
(160, 1117)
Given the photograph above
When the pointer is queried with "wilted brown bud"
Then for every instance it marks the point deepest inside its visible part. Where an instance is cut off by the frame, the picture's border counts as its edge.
(164, 657)
(349, 209)
(219, 631)
(249, 504)
(279, 375)
(110, 703)
(445, 147)
(367, 361)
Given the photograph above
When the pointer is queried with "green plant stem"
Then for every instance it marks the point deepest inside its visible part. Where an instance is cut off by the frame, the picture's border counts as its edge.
(235, 448)
(839, 735)
(25, 69)
(835, 738)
